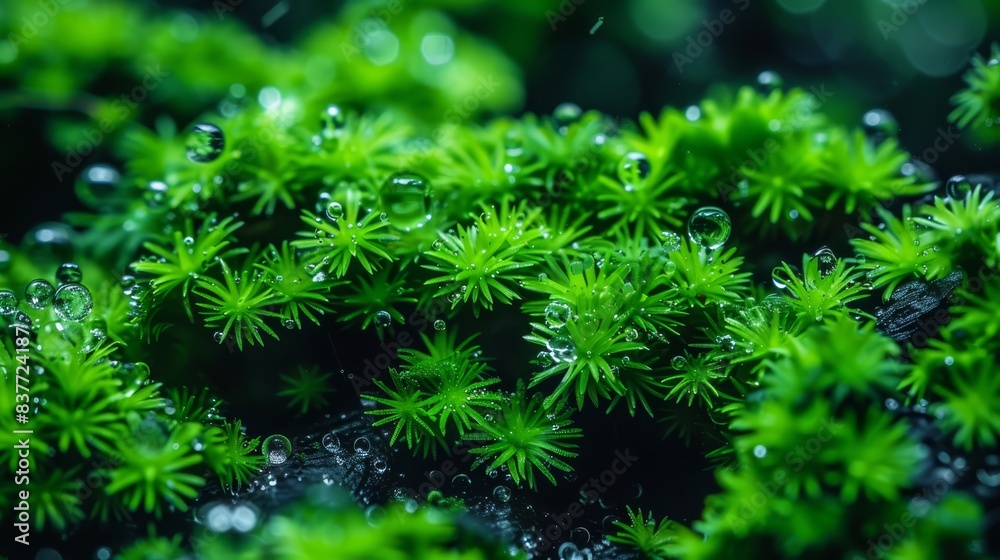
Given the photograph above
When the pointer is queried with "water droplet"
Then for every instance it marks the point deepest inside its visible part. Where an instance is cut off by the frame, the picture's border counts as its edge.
(827, 261)
(679, 363)
(576, 267)
(709, 227)
(332, 120)
(557, 314)
(380, 465)
(331, 442)
(631, 334)
(633, 168)
(561, 348)
(276, 449)
(671, 241)
(50, 240)
(439, 325)
(759, 451)
(205, 143)
(383, 319)
(957, 188)
(72, 302)
(69, 273)
(544, 359)
(407, 198)
(97, 186)
(949, 361)
(38, 293)
(334, 210)
(879, 124)
(502, 494)
(780, 277)
(891, 404)
(218, 336)
(566, 114)
(769, 80)
(288, 323)
(362, 446)
(319, 277)
(8, 302)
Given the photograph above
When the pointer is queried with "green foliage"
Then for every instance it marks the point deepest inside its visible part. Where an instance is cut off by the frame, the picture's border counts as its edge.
(654, 540)
(236, 304)
(306, 389)
(979, 103)
(527, 437)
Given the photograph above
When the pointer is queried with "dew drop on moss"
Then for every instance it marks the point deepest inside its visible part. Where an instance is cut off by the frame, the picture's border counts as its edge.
(205, 143)
(218, 336)
(957, 188)
(8, 302)
(557, 314)
(406, 196)
(332, 120)
(827, 261)
(566, 114)
(679, 363)
(276, 449)
(631, 334)
(633, 168)
(383, 319)
(439, 325)
(671, 241)
(562, 349)
(334, 210)
(97, 185)
(38, 293)
(709, 227)
(72, 302)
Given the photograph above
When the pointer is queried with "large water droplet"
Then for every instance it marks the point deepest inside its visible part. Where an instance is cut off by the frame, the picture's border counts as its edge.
(334, 210)
(205, 143)
(406, 196)
(557, 314)
(502, 494)
(709, 227)
(69, 273)
(72, 302)
(276, 449)
(383, 319)
(633, 168)
(50, 240)
(38, 293)
(566, 114)
(331, 442)
(679, 363)
(439, 325)
(957, 188)
(8, 302)
(97, 186)
(561, 348)
(827, 261)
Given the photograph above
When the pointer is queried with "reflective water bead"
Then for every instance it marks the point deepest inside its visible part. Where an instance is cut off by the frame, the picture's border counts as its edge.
(557, 314)
(957, 188)
(780, 277)
(633, 168)
(331, 442)
(8, 302)
(679, 363)
(334, 210)
(709, 227)
(769, 81)
(383, 319)
(562, 348)
(362, 446)
(332, 120)
(827, 261)
(439, 325)
(631, 334)
(407, 198)
(205, 143)
(671, 241)
(72, 302)
(566, 113)
(38, 293)
(276, 449)
(880, 123)
(97, 185)
(502, 493)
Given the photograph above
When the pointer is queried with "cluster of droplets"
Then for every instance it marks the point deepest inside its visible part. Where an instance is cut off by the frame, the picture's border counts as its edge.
(223, 517)
(71, 301)
(560, 348)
